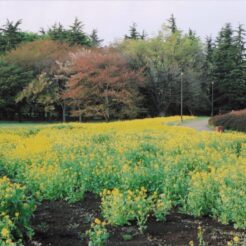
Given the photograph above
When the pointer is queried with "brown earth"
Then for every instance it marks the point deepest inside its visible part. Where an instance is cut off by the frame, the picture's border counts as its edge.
(59, 223)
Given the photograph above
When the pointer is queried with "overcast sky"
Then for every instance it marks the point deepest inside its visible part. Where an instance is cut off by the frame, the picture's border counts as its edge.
(113, 18)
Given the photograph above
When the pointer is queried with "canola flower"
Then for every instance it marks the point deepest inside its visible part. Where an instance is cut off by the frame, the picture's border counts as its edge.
(5, 233)
(133, 161)
(236, 239)
(98, 221)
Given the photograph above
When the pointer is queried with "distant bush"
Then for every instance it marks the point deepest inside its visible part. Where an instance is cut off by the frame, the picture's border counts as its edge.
(235, 120)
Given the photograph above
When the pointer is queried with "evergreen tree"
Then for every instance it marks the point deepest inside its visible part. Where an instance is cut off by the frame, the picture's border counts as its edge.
(238, 87)
(73, 36)
(229, 70)
(208, 81)
(10, 36)
(56, 32)
(172, 24)
(143, 35)
(240, 43)
(76, 35)
(192, 34)
(134, 34)
(95, 41)
(29, 36)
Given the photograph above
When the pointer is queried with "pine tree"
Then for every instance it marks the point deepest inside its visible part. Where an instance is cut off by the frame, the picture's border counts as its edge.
(172, 24)
(143, 35)
(192, 34)
(76, 35)
(95, 41)
(238, 87)
(228, 70)
(57, 32)
(10, 36)
(133, 33)
(208, 82)
(240, 43)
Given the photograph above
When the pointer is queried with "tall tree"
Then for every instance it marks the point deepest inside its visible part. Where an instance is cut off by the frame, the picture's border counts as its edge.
(172, 24)
(103, 85)
(95, 40)
(57, 32)
(10, 36)
(13, 79)
(163, 59)
(228, 70)
(76, 35)
(238, 88)
(40, 55)
(143, 35)
(41, 92)
(43, 57)
(208, 82)
(134, 34)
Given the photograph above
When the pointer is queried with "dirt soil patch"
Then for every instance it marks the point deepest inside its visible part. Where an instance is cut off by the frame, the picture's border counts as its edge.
(59, 223)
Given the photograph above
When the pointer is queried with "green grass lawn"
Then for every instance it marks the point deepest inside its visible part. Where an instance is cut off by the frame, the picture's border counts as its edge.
(15, 124)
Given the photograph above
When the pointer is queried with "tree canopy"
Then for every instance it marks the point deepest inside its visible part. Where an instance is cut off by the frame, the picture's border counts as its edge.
(64, 72)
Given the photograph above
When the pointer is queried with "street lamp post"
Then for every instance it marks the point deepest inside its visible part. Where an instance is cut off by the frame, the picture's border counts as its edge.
(181, 96)
(212, 99)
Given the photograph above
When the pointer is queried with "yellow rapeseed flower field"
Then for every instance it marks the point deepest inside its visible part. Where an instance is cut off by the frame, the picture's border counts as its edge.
(203, 173)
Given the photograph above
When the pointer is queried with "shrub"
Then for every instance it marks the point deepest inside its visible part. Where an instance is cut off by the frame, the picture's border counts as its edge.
(122, 207)
(203, 194)
(235, 120)
(16, 210)
(98, 233)
(219, 193)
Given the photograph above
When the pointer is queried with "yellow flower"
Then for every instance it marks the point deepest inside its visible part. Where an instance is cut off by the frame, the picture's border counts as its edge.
(97, 221)
(5, 233)
(115, 192)
(236, 239)
(9, 242)
(191, 243)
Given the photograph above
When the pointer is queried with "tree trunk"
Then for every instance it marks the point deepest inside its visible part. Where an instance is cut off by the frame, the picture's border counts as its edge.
(107, 105)
(80, 116)
(63, 113)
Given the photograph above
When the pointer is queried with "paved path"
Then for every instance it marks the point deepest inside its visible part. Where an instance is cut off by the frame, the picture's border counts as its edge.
(200, 124)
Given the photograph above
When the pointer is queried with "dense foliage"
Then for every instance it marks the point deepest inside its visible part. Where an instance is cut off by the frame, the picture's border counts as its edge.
(39, 70)
(227, 69)
(163, 59)
(103, 85)
(235, 120)
(16, 209)
(140, 168)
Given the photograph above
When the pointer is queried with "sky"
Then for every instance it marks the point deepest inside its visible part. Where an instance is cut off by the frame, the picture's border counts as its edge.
(112, 18)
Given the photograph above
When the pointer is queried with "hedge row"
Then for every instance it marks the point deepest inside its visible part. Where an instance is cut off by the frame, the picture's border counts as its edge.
(235, 120)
